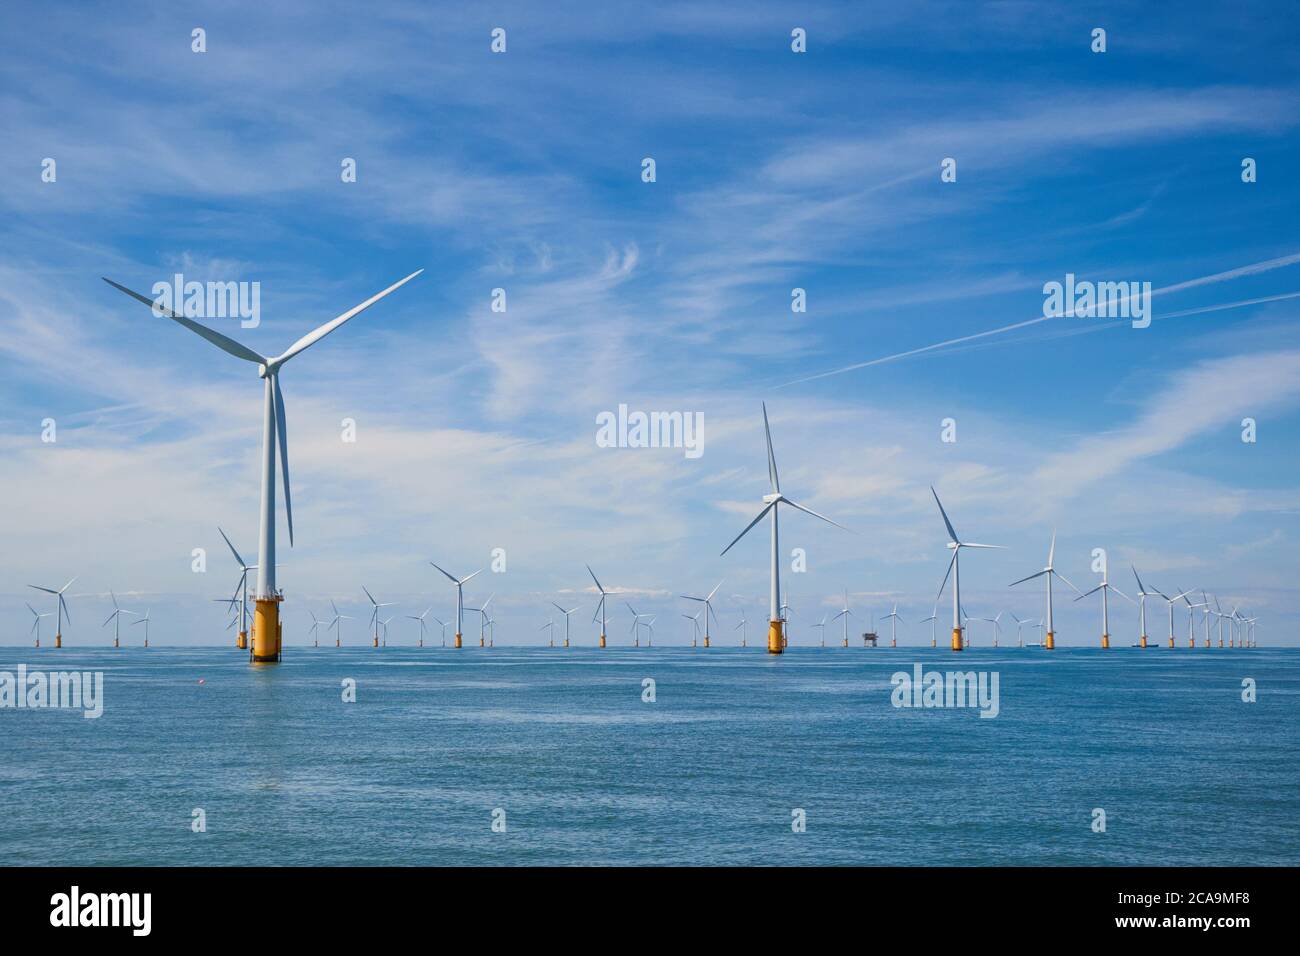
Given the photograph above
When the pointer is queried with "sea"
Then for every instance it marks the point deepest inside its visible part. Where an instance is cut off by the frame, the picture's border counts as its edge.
(359, 756)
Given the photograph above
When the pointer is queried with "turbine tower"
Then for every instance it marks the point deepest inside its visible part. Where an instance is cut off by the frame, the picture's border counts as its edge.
(1171, 601)
(636, 625)
(61, 610)
(600, 605)
(566, 619)
(374, 615)
(1143, 594)
(743, 628)
(955, 545)
(934, 641)
(420, 619)
(776, 624)
(1049, 572)
(708, 610)
(893, 618)
(846, 614)
(36, 622)
(822, 626)
(460, 599)
(694, 619)
(145, 621)
(549, 626)
(1104, 587)
(266, 616)
(314, 630)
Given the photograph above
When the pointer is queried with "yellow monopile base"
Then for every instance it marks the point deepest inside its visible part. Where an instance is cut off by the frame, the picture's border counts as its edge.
(1051, 641)
(58, 640)
(1105, 641)
(241, 641)
(38, 642)
(1191, 642)
(636, 642)
(115, 643)
(1171, 643)
(458, 640)
(706, 640)
(566, 642)
(602, 641)
(846, 642)
(337, 642)
(893, 642)
(934, 642)
(1230, 640)
(1144, 642)
(376, 643)
(776, 637)
(1220, 642)
(480, 642)
(1207, 642)
(956, 639)
(266, 631)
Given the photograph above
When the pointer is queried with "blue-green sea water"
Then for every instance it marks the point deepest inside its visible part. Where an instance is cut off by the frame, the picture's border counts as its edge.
(587, 772)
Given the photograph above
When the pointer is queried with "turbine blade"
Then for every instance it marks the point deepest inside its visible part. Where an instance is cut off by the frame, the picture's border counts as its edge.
(765, 510)
(799, 507)
(369, 595)
(311, 338)
(991, 547)
(951, 562)
(1084, 595)
(464, 580)
(952, 535)
(1066, 580)
(449, 577)
(593, 577)
(238, 559)
(1051, 551)
(283, 439)
(714, 591)
(46, 590)
(222, 342)
(1039, 574)
(771, 456)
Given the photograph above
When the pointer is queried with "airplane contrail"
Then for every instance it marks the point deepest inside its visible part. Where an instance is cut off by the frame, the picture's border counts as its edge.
(1253, 269)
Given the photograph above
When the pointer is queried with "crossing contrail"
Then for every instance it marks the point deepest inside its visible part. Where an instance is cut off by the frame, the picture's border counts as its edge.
(1253, 269)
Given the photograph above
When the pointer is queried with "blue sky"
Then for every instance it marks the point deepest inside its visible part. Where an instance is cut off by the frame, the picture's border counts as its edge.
(476, 430)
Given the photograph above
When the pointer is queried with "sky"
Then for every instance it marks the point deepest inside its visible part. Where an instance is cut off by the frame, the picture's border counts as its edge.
(476, 429)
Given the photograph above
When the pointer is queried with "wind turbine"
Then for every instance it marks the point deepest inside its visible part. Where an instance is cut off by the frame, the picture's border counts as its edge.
(934, 641)
(420, 619)
(384, 625)
(785, 621)
(955, 545)
(1191, 621)
(650, 629)
(1104, 587)
(566, 619)
(776, 624)
(549, 625)
(822, 626)
(708, 610)
(1171, 601)
(1020, 638)
(242, 643)
(1143, 594)
(1049, 572)
(1207, 611)
(997, 626)
(36, 623)
(145, 621)
(742, 627)
(314, 630)
(846, 614)
(636, 624)
(696, 621)
(460, 598)
(116, 618)
(266, 616)
(443, 625)
(600, 605)
(338, 623)
(61, 609)
(374, 615)
(483, 619)
(893, 619)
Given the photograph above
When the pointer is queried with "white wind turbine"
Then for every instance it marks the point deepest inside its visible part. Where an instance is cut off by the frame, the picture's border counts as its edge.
(934, 614)
(116, 618)
(1020, 625)
(242, 643)
(484, 621)
(694, 619)
(549, 626)
(36, 622)
(443, 625)
(314, 630)
(650, 631)
(846, 614)
(776, 624)
(600, 605)
(636, 624)
(1143, 594)
(1171, 601)
(708, 610)
(266, 616)
(374, 615)
(822, 627)
(955, 545)
(338, 623)
(1104, 588)
(1049, 572)
(997, 626)
(460, 599)
(420, 619)
(566, 619)
(61, 609)
(893, 618)
(145, 621)
(743, 628)
(1191, 621)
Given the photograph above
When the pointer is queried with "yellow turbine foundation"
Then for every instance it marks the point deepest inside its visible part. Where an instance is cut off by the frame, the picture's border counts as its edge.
(1144, 642)
(776, 637)
(1220, 642)
(266, 631)
(1191, 642)
(1105, 641)
(458, 640)
(956, 639)
(241, 641)
(1051, 641)
(376, 644)
(846, 642)
(1171, 643)
(115, 643)
(58, 640)
(602, 641)
(566, 642)
(706, 641)
(480, 642)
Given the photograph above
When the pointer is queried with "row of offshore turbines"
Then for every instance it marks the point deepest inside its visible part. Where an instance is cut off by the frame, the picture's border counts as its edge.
(263, 639)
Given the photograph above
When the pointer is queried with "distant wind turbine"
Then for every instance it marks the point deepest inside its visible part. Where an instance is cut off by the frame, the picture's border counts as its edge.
(242, 642)
(600, 605)
(893, 619)
(61, 609)
(1143, 594)
(460, 599)
(955, 545)
(566, 619)
(145, 621)
(846, 614)
(116, 619)
(708, 610)
(36, 622)
(1049, 572)
(1171, 601)
(1104, 588)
